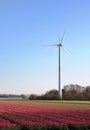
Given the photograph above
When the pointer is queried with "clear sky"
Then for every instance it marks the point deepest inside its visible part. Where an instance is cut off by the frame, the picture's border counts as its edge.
(25, 26)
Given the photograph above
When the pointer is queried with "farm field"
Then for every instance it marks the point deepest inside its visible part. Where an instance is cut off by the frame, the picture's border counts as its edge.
(44, 115)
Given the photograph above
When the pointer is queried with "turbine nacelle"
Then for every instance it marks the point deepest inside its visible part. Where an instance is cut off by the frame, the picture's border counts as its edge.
(59, 45)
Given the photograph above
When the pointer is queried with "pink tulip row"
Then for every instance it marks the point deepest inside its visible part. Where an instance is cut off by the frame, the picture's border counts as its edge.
(6, 123)
(31, 114)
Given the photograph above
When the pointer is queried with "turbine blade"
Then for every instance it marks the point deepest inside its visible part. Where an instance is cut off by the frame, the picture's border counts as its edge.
(50, 45)
(62, 37)
(66, 50)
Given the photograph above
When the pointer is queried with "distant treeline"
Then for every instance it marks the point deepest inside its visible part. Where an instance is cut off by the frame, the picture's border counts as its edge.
(10, 96)
(69, 92)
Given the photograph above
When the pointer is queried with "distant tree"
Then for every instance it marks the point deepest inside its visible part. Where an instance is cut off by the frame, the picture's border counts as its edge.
(51, 95)
(72, 92)
(23, 96)
(86, 93)
(33, 97)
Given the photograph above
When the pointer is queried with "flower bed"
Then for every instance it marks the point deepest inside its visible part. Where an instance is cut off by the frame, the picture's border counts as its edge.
(27, 116)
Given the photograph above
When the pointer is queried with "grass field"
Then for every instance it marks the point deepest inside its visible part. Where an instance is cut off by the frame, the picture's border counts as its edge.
(60, 102)
(44, 115)
(50, 101)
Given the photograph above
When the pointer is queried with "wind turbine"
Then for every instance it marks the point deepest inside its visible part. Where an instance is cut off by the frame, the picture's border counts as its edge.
(60, 46)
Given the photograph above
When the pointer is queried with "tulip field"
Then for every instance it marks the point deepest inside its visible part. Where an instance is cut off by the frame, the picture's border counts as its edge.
(35, 115)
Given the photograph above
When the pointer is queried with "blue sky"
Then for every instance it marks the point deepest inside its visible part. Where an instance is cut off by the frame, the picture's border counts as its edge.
(27, 25)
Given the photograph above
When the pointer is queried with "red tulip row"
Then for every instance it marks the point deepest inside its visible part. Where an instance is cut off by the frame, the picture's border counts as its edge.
(30, 115)
(6, 123)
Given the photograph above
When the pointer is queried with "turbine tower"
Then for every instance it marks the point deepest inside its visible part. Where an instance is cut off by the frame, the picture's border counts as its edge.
(60, 46)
